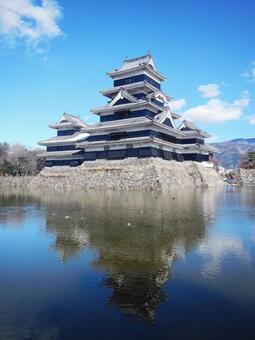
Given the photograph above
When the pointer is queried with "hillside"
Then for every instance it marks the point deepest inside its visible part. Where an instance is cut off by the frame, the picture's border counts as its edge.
(233, 151)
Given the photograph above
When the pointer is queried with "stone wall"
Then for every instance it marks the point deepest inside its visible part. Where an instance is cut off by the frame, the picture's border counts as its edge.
(128, 174)
(15, 181)
(246, 176)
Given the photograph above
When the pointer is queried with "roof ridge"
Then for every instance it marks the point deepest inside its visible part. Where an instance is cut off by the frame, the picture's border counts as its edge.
(71, 115)
(137, 58)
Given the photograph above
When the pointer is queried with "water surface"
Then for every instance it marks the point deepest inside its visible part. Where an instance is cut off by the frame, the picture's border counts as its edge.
(109, 265)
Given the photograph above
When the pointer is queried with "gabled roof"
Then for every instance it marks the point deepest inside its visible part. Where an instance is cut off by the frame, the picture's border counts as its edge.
(143, 62)
(159, 95)
(188, 126)
(121, 95)
(165, 115)
(67, 120)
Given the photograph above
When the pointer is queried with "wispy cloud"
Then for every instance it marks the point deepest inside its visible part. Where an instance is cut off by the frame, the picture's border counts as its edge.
(177, 104)
(245, 74)
(214, 138)
(252, 120)
(250, 72)
(245, 94)
(253, 73)
(209, 90)
(25, 21)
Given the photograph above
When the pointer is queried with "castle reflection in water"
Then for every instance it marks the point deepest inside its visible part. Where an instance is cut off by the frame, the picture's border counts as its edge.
(137, 237)
(182, 261)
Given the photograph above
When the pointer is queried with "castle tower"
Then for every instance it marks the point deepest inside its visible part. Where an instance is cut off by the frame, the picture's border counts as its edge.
(135, 122)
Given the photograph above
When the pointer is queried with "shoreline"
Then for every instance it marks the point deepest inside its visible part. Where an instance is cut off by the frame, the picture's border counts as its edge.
(149, 174)
(126, 175)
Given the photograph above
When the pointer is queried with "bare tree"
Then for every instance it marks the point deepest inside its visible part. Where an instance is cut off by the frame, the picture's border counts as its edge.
(17, 160)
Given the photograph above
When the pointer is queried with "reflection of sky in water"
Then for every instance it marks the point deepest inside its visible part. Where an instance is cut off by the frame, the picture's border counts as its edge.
(72, 261)
(215, 248)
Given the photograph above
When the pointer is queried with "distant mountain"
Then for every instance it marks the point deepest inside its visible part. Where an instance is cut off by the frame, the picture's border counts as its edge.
(233, 151)
(244, 140)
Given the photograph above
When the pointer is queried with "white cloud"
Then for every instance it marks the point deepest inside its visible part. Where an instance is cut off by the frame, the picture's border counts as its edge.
(253, 73)
(216, 110)
(23, 19)
(214, 138)
(177, 104)
(209, 90)
(252, 120)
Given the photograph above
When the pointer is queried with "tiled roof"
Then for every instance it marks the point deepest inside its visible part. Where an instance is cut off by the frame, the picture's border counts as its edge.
(129, 123)
(192, 127)
(116, 123)
(65, 139)
(69, 120)
(131, 86)
(67, 153)
(121, 141)
(136, 62)
(145, 61)
(139, 103)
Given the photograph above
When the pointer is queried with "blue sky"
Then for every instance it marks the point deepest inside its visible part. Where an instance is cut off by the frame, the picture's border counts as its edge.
(54, 55)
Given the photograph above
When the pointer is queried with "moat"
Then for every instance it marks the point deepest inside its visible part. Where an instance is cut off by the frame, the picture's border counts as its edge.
(129, 265)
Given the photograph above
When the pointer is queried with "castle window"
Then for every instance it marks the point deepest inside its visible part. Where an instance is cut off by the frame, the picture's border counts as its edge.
(118, 135)
(66, 132)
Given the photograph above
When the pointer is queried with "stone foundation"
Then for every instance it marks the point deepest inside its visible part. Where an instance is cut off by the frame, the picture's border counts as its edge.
(128, 174)
(246, 176)
(15, 181)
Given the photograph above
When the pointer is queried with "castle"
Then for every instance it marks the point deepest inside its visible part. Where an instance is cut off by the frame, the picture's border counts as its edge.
(136, 122)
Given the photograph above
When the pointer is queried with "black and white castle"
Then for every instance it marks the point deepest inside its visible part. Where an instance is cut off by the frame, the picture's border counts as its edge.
(135, 122)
